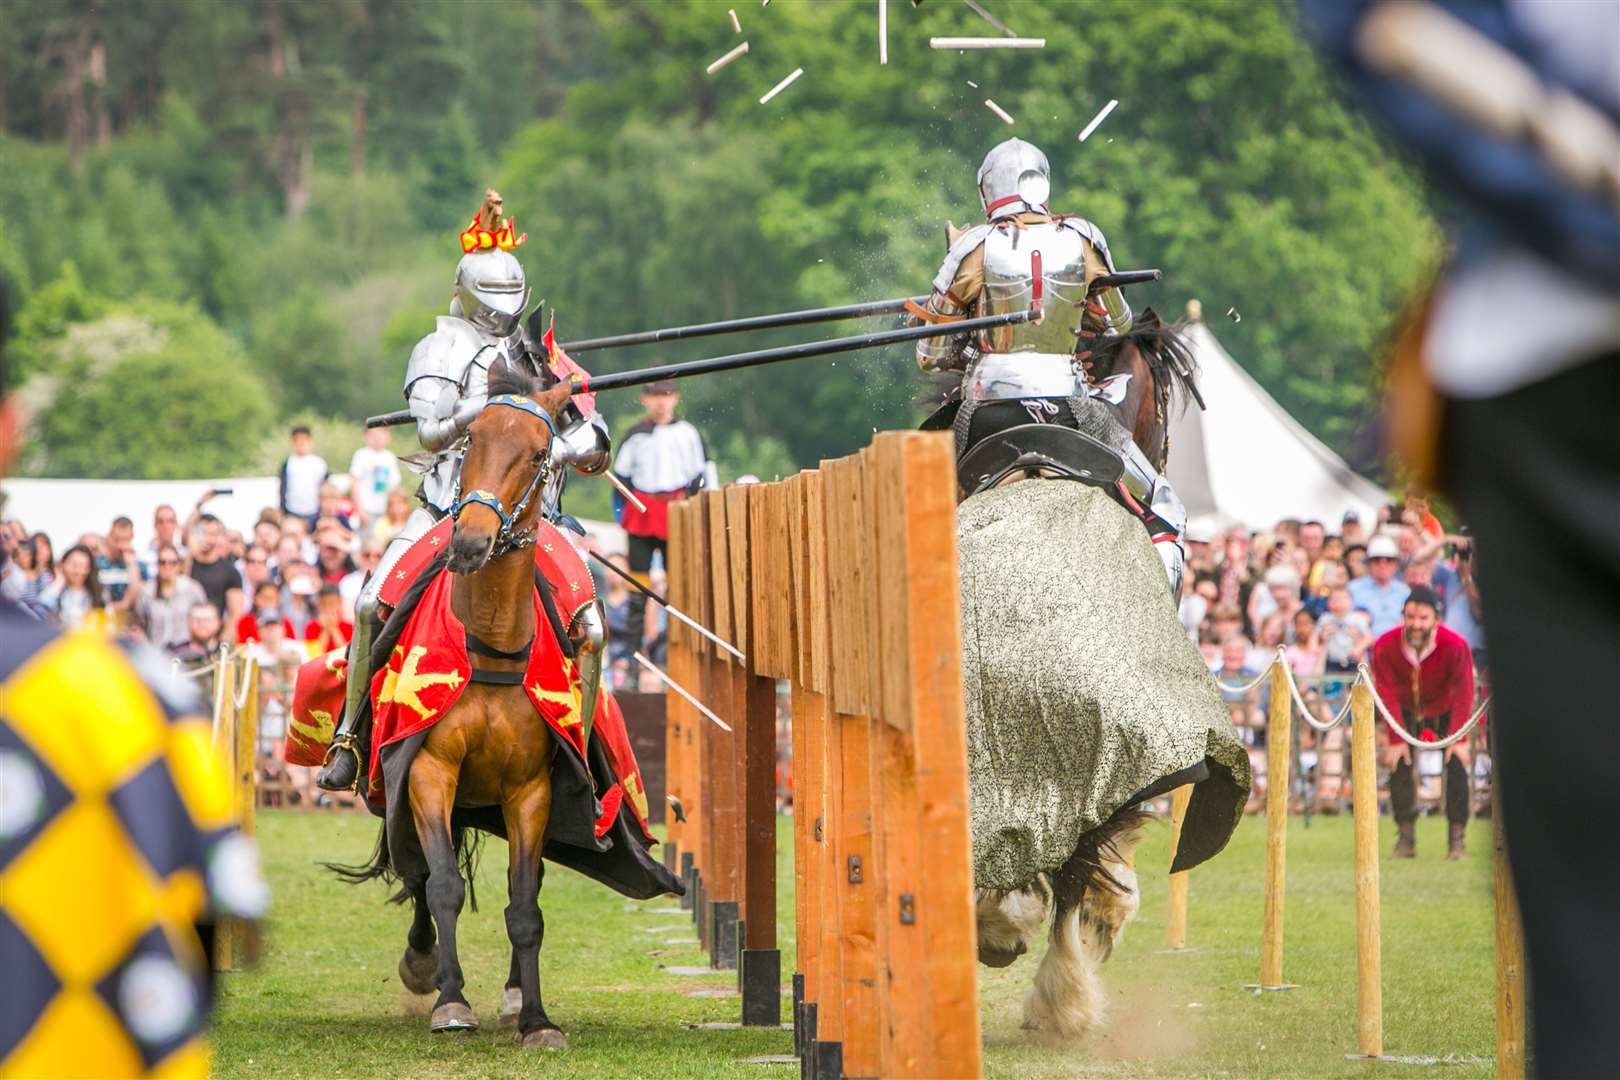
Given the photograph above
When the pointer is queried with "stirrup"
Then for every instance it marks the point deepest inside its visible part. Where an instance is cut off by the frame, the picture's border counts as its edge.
(344, 740)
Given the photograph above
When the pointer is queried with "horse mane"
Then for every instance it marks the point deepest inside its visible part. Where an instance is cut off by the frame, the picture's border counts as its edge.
(506, 378)
(1168, 353)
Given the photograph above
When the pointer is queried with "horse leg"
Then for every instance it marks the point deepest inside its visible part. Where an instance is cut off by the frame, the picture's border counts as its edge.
(1066, 998)
(526, 813)
(420, 960)
(433, 796)
(512, 994)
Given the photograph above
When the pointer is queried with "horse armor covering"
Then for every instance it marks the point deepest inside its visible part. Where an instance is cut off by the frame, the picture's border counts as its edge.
(1083, 692)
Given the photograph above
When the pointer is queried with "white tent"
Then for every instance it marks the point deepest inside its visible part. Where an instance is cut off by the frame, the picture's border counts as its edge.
(1246, 461)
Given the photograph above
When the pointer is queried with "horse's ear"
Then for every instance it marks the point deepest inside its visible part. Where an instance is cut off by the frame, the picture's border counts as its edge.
(554, 399)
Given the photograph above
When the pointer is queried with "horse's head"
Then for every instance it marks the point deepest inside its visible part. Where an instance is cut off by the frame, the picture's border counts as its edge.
(503, 474)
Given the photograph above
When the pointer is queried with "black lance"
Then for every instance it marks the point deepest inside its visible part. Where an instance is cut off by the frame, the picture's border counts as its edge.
(759, 357)
(752, 322)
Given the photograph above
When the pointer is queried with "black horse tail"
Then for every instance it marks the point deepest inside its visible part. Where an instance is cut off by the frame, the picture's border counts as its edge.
(468, 843)
(1087, 867)
(379, 867)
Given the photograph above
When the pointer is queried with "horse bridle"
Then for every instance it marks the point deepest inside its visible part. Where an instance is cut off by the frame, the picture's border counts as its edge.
(505, 539)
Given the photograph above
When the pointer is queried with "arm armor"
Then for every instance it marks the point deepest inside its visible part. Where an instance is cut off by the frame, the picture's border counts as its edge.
(584, 444)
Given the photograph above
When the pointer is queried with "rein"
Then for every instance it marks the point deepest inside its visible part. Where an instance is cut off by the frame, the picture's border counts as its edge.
(507, 539)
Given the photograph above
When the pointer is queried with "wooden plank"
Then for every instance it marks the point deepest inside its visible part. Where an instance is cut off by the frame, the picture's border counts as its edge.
(845, 584)
(798, 581)
(678, 552)
(830, 984)
(819, 653)
(940, 744)
(889, 557)
(806, 810)
(903, 905)
(759, 813)
(870, 605)
(768, 558)
(719, 611)
(737, 499)
(859, 882)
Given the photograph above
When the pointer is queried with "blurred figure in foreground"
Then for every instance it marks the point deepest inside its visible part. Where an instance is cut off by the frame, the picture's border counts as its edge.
(1509, 381)
(117, 851)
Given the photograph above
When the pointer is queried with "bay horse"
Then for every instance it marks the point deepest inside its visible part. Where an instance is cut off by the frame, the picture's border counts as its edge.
(1088, 901)
(491, 749)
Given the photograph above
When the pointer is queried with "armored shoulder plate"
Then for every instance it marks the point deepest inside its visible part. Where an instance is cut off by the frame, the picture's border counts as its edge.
(965, 243)
(454, 345)
(1090, 231)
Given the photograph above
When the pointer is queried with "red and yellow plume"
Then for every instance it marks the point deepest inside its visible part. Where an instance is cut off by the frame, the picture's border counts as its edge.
(491, 228)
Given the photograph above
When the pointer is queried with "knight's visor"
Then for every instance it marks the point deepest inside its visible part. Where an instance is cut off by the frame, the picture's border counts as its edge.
(501, 285)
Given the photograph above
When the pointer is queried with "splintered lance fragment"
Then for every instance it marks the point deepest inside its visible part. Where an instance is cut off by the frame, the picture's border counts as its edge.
(883, 31)
(987, 43)
(728, 58)
(998, 110)
(736, 27)
(989, 18)
(781, 86)
(1099, 118)
(1232, 313)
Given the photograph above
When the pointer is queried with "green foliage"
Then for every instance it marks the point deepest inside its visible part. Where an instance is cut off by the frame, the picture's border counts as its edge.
(297, 172)
(155, 391)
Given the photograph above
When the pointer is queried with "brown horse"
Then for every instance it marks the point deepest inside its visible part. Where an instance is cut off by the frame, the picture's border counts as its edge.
(1162, 371)
(491, 749)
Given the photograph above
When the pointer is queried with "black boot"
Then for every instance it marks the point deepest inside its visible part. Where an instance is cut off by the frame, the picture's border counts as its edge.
(342, 769)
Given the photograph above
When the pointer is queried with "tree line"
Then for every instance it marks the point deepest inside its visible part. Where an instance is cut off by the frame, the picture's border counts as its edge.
(241, 212)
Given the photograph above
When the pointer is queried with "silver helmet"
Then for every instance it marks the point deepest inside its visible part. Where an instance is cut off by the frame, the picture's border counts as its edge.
(490, 291)
(1014, 178)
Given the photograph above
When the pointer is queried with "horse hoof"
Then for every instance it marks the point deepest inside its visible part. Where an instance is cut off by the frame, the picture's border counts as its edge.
(511, 1005)
(453, 1016)
(419, 971)
(550, 1038)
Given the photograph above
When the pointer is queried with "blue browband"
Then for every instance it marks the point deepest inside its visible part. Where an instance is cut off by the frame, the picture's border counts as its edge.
(523, 404)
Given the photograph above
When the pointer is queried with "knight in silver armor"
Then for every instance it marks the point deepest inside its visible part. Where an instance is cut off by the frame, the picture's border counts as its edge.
(1024, 256)
(446, 386)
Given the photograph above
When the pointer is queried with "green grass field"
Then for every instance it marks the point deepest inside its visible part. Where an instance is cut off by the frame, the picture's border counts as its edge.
(326, 1000)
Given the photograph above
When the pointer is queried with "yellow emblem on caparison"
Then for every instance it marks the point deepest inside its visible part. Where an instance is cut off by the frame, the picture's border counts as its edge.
(403, 686)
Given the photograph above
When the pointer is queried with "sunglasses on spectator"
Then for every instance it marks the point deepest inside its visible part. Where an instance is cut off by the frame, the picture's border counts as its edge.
(168, 562)
(255, 562)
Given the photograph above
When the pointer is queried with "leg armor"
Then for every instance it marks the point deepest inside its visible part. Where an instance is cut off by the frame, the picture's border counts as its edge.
(342, 769)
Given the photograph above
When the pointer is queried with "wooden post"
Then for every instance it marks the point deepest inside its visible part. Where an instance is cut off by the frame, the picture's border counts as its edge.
(1175, 926)
(1279, 740)
(858, 876)
(1510, 1017)
(227, 744)
(1369, 929)
(939, 731)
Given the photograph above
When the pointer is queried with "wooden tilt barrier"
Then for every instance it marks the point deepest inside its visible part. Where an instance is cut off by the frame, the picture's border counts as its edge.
(842, 581)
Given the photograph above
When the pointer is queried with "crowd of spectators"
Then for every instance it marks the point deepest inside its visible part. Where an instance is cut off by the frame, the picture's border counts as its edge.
(1323, 595)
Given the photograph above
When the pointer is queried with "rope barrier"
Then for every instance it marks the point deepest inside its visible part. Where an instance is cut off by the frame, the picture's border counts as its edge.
(1364, 677)
(1394, 725)
(248, 662)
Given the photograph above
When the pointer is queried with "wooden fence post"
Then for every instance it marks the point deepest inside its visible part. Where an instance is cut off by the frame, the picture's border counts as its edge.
(227, 744)
(1279, 741)
(1510, 1016)
(1175, 926)
(1369, 929)
(721, 871)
